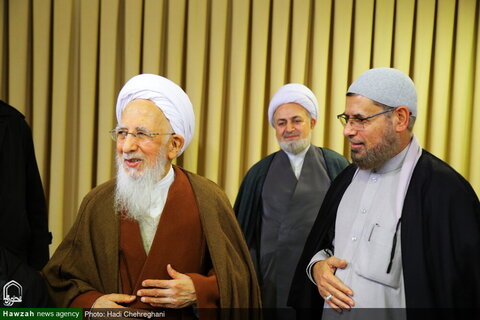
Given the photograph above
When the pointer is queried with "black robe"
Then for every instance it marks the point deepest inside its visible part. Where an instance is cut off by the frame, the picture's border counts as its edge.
(440, 240)
(249, 206)
(34, 290)
(23, 211)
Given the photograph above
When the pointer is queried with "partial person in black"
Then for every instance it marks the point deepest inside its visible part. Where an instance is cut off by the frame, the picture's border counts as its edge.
(24, 235)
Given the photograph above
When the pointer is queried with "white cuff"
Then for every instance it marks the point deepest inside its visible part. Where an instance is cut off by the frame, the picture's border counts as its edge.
(319, 256)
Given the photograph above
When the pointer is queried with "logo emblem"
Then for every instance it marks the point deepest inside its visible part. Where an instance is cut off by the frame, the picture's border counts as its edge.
(12, 292)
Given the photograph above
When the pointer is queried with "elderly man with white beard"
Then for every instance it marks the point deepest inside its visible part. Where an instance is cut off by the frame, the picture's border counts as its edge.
(281, 194)
(157, 236)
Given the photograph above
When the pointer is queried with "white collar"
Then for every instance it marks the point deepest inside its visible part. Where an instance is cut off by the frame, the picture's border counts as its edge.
(160, 193)
(296, 161)
(394, 163)
(299, 156)
(166, 180)
(408, 160)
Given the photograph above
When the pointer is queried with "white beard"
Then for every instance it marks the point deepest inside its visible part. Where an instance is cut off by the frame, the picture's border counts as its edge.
(133, 192)
(296, 146)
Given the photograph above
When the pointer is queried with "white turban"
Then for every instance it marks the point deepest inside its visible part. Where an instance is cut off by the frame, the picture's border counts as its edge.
(293, 93)
(169, 97)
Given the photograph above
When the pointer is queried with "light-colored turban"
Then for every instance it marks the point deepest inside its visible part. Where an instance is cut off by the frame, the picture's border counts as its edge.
(168, 96)
(293, 93)
(388, 86)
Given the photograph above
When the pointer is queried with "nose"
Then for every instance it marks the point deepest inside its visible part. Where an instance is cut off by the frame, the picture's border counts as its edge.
(348, 130)
(290, 126)
(129, 144)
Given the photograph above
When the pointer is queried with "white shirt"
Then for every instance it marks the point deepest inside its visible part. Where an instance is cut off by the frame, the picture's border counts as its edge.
(364, 230)
(160, 193)
(148, 225)
(296, 161)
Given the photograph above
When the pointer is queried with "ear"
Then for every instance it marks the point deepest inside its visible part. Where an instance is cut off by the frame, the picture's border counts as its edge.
(313, 122)
(174, 146)
(402, 118)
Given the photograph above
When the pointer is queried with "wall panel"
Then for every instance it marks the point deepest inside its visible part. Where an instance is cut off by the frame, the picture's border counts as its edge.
(63, 63)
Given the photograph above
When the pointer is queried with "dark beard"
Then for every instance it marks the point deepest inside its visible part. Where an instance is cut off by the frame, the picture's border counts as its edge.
(379, 154)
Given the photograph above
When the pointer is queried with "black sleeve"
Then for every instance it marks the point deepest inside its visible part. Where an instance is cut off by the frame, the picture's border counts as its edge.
(23, 210)
(38, 253)
(303, 293)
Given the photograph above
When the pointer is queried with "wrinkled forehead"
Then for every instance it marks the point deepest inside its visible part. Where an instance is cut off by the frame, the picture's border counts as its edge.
(357, 104)
(142, 113)
(290, 110)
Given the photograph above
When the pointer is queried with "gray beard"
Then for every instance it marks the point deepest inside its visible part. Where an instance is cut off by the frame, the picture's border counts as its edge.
(379, 154)
(295, 147)
(133, 193)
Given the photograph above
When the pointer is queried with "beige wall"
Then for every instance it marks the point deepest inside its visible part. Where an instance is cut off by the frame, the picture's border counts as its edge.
(63, 62)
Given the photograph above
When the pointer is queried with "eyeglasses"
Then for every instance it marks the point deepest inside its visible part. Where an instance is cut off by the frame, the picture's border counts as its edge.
(358, 123)
(141, 136)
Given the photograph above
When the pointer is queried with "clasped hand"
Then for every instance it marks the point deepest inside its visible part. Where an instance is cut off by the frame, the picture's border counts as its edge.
(179, 292)
(336, 294)
(176, 293)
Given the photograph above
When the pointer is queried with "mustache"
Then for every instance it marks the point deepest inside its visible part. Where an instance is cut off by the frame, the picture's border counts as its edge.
(128, 156)
(355, 141)
(291, 134)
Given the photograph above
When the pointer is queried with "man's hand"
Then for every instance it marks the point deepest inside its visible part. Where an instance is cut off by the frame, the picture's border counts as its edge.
(328, 284)
(112, 300)
(176, 293)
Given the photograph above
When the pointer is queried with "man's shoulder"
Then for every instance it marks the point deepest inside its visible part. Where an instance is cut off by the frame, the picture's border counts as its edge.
(7, 110)
(329, 153)
(198, 181)
(102, 191)
(98, 204)
(14, 119)
(262, 165)
(334, 161)
(439, 174)
(436, 167)
(206, 191)
(265, 160)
